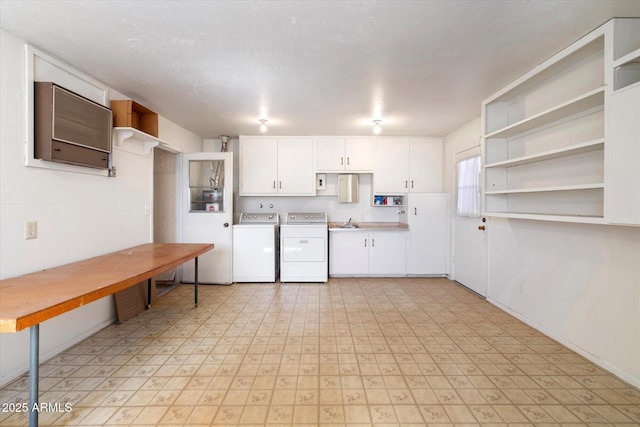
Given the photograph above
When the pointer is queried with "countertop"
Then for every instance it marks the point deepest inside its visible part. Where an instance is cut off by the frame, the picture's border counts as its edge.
(368, 226)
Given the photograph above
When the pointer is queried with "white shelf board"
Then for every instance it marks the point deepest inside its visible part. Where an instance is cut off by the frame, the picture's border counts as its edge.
(585, 147)
(545, 217)
(584, 102)
(548, 189)
(122, 134)
(629, 58)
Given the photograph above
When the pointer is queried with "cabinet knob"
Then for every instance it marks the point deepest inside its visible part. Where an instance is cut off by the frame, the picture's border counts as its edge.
(226, 224)
(365, 243)
(274, 184)
(347, 161)
(481, 227)
(341, 161)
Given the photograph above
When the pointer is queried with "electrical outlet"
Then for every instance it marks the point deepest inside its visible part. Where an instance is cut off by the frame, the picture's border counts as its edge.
(30, 230)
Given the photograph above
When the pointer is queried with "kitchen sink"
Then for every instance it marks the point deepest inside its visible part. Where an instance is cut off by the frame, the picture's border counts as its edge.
(349, 225)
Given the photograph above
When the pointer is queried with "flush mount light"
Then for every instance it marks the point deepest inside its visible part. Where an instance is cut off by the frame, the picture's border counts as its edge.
(376, 126)
(263, 125)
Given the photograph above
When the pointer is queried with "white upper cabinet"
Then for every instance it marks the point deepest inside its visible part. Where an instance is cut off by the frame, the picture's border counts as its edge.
(405, 165)
(296, 176)
(276, 166)
(547, 135)
(425, 165)
(352, 154)
(258, 166)
(391, 167)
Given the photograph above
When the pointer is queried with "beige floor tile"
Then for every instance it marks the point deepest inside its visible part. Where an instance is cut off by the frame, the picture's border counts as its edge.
(254, 415)
(279, 414)
(305, 414)
(202, 415)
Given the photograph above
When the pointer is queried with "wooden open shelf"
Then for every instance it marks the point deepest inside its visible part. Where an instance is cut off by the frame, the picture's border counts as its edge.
(130, 114)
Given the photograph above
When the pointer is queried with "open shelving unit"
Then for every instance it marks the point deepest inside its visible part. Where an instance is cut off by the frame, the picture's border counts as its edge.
(549, 136)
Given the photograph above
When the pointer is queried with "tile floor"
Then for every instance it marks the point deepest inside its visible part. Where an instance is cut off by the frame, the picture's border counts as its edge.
(349, 352)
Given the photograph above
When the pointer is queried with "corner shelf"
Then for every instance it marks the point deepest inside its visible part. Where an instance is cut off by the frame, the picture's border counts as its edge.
(128, 134)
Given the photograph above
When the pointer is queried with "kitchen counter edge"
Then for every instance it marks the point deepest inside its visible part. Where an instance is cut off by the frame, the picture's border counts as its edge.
(368, 226)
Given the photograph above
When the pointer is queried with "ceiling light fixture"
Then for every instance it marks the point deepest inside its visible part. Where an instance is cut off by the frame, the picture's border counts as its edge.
(376, 126)
(263, 125)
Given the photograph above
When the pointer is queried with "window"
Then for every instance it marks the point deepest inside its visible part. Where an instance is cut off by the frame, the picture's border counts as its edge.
(468, 190)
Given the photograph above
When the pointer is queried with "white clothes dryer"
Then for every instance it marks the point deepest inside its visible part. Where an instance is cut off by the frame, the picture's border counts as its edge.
(304, 248)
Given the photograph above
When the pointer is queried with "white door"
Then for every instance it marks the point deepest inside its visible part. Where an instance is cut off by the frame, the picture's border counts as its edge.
(207, 214)
(470, 230)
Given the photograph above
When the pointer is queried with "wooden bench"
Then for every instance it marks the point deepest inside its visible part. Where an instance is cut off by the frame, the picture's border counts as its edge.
(28, 300)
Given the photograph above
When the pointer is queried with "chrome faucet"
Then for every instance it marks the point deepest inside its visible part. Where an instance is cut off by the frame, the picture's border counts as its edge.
(348, 224)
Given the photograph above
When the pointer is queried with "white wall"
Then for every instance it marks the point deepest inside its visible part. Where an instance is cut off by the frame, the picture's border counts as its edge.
(578, 283)
(79, 215)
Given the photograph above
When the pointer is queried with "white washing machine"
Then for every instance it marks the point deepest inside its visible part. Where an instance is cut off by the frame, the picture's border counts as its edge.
(256, 248)
(304, 248)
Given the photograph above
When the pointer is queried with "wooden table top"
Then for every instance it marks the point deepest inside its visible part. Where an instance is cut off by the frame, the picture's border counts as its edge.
(35, 297)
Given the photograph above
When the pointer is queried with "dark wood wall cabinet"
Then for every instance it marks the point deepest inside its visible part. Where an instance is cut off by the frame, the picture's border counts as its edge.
(69, 128)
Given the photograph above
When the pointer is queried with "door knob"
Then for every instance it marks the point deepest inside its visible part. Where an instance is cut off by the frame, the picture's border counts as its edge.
(226, 224)
(481, 227)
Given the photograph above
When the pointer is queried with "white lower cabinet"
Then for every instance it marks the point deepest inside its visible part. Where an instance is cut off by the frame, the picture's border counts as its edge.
(367, 253)
(427, 247)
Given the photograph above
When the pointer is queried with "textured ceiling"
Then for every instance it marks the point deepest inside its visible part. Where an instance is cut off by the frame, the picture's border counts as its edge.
(309, 67)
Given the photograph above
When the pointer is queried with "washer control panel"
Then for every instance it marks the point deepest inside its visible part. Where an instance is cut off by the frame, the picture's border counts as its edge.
(259, 218)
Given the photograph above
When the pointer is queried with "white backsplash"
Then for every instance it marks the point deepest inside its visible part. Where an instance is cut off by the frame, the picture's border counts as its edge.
(360, 211)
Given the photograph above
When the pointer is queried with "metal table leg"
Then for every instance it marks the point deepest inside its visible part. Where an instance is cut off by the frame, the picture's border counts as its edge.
(149, 293)
(196, 283)
(34, 366)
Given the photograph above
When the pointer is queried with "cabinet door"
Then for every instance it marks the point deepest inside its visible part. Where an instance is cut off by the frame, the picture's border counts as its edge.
(387, 253)
(331, 156)
(348, 253)
(258, 166)
(359, 154)
(622, 156)
(427, 246)
(295, 167)
(426, 165)
(391, 171)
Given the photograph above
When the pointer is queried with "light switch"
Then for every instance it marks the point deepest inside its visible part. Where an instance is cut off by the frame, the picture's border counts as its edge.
(30, 230)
